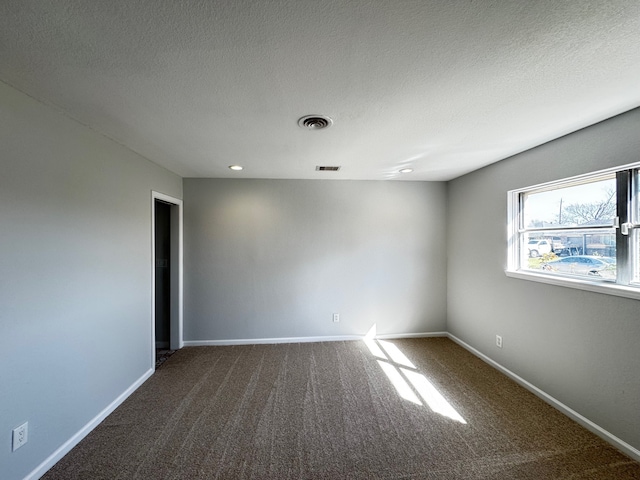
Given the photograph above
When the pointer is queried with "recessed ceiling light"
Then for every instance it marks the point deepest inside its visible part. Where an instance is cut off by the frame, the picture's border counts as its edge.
(235, 167)
(315, 122)
(406, 170)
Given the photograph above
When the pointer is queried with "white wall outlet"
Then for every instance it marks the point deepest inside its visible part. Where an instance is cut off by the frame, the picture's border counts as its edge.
(498, 341)
(336, 317)
(20, 436)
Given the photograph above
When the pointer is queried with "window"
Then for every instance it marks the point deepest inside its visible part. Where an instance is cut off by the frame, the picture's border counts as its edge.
(580, 232)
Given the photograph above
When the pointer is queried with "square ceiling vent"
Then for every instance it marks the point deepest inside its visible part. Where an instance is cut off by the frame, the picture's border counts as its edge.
(322, 168)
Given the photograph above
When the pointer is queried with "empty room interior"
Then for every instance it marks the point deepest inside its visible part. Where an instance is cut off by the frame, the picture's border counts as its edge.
(351, 204)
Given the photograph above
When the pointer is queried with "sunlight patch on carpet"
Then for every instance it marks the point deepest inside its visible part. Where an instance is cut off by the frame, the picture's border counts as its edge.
(410, 384)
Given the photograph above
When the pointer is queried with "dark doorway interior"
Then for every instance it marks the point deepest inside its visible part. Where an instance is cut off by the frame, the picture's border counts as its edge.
(163, 274)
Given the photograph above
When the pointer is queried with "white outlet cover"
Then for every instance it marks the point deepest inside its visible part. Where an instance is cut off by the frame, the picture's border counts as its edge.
(20, 435)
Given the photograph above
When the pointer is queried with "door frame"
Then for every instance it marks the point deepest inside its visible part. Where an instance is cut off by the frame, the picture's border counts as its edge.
(176, 260)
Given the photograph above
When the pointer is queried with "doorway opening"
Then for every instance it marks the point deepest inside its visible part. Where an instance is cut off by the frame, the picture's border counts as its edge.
(166, 277)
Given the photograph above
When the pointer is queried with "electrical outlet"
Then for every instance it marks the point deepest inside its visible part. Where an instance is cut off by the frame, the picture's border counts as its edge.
(498, 341)
(336, 317)
(20, 436)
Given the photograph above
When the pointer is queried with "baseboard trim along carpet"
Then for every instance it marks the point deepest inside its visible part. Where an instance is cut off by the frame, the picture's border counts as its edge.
(336, 410)
(585, 422)
(66, 447)
(339, 338)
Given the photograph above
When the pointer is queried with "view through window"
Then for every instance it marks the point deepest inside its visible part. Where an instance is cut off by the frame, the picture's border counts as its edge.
(580, 228)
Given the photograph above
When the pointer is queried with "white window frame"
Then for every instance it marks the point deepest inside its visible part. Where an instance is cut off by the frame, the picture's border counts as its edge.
(627, 256)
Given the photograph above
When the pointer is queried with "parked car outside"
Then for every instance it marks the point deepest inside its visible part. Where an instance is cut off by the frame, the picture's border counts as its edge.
(602, 267)
(538, 247)
(569, 250)
(557, 245)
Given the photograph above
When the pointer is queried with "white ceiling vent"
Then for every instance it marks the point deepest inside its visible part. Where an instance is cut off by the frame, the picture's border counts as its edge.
(315, 122)
(320, 168)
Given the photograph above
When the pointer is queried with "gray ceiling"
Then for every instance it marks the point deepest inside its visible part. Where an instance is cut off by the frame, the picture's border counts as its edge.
(444, 87)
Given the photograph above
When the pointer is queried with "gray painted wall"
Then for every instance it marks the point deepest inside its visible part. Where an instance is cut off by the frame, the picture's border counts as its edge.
(75, 283)
(578, 346)
(275, 258)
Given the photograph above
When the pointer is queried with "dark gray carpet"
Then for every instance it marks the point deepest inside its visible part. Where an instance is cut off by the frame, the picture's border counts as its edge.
(162, 355)
(329, 411)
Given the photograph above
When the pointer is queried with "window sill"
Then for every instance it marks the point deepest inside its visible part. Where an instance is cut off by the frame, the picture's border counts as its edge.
(598, 287)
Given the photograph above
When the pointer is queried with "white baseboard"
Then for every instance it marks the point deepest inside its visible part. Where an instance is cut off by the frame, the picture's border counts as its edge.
(66, 447)
(261, 341)
(339, 338)
(392, 336)
(585, 422)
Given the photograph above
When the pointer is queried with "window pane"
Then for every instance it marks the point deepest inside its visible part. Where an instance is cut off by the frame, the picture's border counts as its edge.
(634, 248)
(587, 204)
(569, 228)
(585, 252)
(635, 256)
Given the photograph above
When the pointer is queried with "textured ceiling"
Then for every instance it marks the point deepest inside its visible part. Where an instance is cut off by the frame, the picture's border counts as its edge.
(444, 87)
